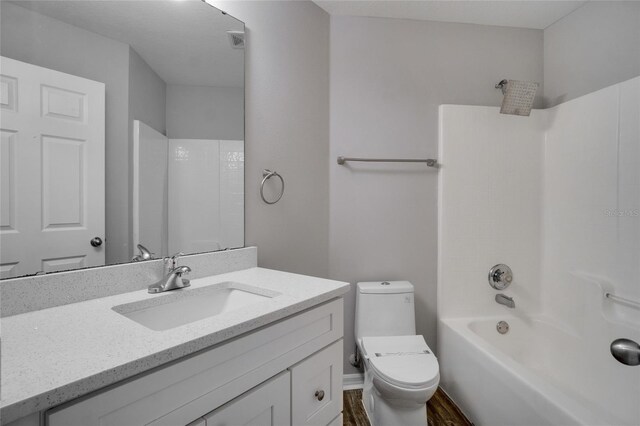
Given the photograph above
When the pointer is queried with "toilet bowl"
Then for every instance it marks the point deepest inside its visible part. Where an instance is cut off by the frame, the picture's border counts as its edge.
(401, 371)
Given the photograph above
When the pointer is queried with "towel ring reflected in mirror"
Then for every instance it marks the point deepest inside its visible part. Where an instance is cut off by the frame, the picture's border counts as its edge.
(267, 174)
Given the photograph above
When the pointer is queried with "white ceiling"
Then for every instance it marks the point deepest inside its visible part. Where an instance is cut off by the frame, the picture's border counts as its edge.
(514, 13)
(185, 42)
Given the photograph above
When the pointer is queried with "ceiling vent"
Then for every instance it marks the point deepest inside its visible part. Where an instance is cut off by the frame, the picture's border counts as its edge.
(236, 38)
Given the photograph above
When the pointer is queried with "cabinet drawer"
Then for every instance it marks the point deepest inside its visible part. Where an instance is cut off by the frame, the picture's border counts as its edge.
(316, 387)
(265, 405)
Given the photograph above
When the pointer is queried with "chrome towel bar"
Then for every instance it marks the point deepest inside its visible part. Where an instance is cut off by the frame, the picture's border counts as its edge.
(429, 161)
(622, 300)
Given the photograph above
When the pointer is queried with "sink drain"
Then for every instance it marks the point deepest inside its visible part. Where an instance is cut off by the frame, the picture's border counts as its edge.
(502, 327)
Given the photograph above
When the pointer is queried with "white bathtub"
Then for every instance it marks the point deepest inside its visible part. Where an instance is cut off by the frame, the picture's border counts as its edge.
(536, 374)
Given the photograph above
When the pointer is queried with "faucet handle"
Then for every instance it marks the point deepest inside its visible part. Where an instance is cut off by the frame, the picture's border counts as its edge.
(175, 256)
(182, 270)
(173, 259)
(500, 276)
(144, 254)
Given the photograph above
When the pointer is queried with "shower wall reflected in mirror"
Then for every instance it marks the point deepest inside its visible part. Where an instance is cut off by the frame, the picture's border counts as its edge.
(122, 124)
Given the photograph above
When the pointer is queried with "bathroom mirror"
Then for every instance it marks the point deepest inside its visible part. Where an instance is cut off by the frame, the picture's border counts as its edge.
(122, 124)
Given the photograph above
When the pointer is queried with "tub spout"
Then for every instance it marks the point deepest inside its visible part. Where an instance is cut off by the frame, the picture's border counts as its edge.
(505, 300)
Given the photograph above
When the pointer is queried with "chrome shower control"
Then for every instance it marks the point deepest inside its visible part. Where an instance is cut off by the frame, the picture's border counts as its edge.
(500, 276)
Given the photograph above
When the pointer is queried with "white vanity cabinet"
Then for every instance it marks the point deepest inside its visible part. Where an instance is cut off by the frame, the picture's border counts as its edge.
(316, 387)
(267, 405)
(286, 373)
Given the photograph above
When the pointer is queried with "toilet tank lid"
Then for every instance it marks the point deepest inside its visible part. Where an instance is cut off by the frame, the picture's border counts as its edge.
(385, 287)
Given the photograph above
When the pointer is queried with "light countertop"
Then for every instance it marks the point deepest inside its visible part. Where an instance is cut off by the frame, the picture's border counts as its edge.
(55, 355)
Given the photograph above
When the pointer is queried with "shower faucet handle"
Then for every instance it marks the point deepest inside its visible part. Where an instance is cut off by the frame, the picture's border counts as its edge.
(500, 276)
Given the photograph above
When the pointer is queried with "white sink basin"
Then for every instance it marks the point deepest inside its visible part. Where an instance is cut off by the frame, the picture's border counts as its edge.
(180, 307)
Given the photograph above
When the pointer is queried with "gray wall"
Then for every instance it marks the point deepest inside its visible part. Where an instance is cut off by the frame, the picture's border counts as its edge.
(40, 40)
(147, 103)
(388, 77)
(595, 46)
(200, 112)
(147, 94)
(287, 130)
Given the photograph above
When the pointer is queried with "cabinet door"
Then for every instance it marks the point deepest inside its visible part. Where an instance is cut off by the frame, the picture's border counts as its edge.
(316, 387)
(338, 421)
(268, 404)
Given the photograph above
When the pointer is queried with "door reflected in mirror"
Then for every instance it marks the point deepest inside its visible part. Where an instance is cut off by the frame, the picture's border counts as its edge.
(122, 132)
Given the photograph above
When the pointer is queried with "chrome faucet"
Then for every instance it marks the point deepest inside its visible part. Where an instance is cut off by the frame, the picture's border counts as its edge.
(173, 280)
(505, 300)
(144, 254)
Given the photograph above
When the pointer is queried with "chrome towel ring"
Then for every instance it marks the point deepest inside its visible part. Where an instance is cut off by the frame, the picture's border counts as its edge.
(267, 174)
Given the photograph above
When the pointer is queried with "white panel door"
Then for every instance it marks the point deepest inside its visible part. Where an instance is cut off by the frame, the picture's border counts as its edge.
(266, 405)
(150, 150)
(52, 169)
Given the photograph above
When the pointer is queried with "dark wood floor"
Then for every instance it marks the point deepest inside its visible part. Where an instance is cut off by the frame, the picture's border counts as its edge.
(441, 411)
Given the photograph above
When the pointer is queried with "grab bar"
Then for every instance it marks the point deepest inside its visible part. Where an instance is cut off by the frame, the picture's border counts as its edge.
(622, 300)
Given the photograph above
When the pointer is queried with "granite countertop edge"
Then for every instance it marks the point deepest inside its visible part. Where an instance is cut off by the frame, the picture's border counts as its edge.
(16, 409)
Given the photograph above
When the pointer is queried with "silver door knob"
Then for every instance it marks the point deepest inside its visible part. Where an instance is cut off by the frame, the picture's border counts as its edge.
(319, 395)
(96, 242)
(626, 351)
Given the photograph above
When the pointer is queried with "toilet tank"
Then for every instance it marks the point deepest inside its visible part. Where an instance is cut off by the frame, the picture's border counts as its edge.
(384, 309)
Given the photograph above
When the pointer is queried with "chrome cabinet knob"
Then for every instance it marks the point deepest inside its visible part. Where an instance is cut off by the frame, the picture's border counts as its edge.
(500, 276)
(319, 395)
(96, 242)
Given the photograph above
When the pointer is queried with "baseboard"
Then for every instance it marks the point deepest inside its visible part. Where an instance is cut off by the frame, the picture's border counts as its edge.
(352, 381)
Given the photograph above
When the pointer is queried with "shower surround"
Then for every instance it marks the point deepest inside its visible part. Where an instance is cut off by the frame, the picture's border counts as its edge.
(556, 196)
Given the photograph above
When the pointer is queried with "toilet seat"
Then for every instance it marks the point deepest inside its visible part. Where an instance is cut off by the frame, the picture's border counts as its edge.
(403, 361)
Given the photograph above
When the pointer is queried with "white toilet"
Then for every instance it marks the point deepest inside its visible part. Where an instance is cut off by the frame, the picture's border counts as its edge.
(401, 373)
